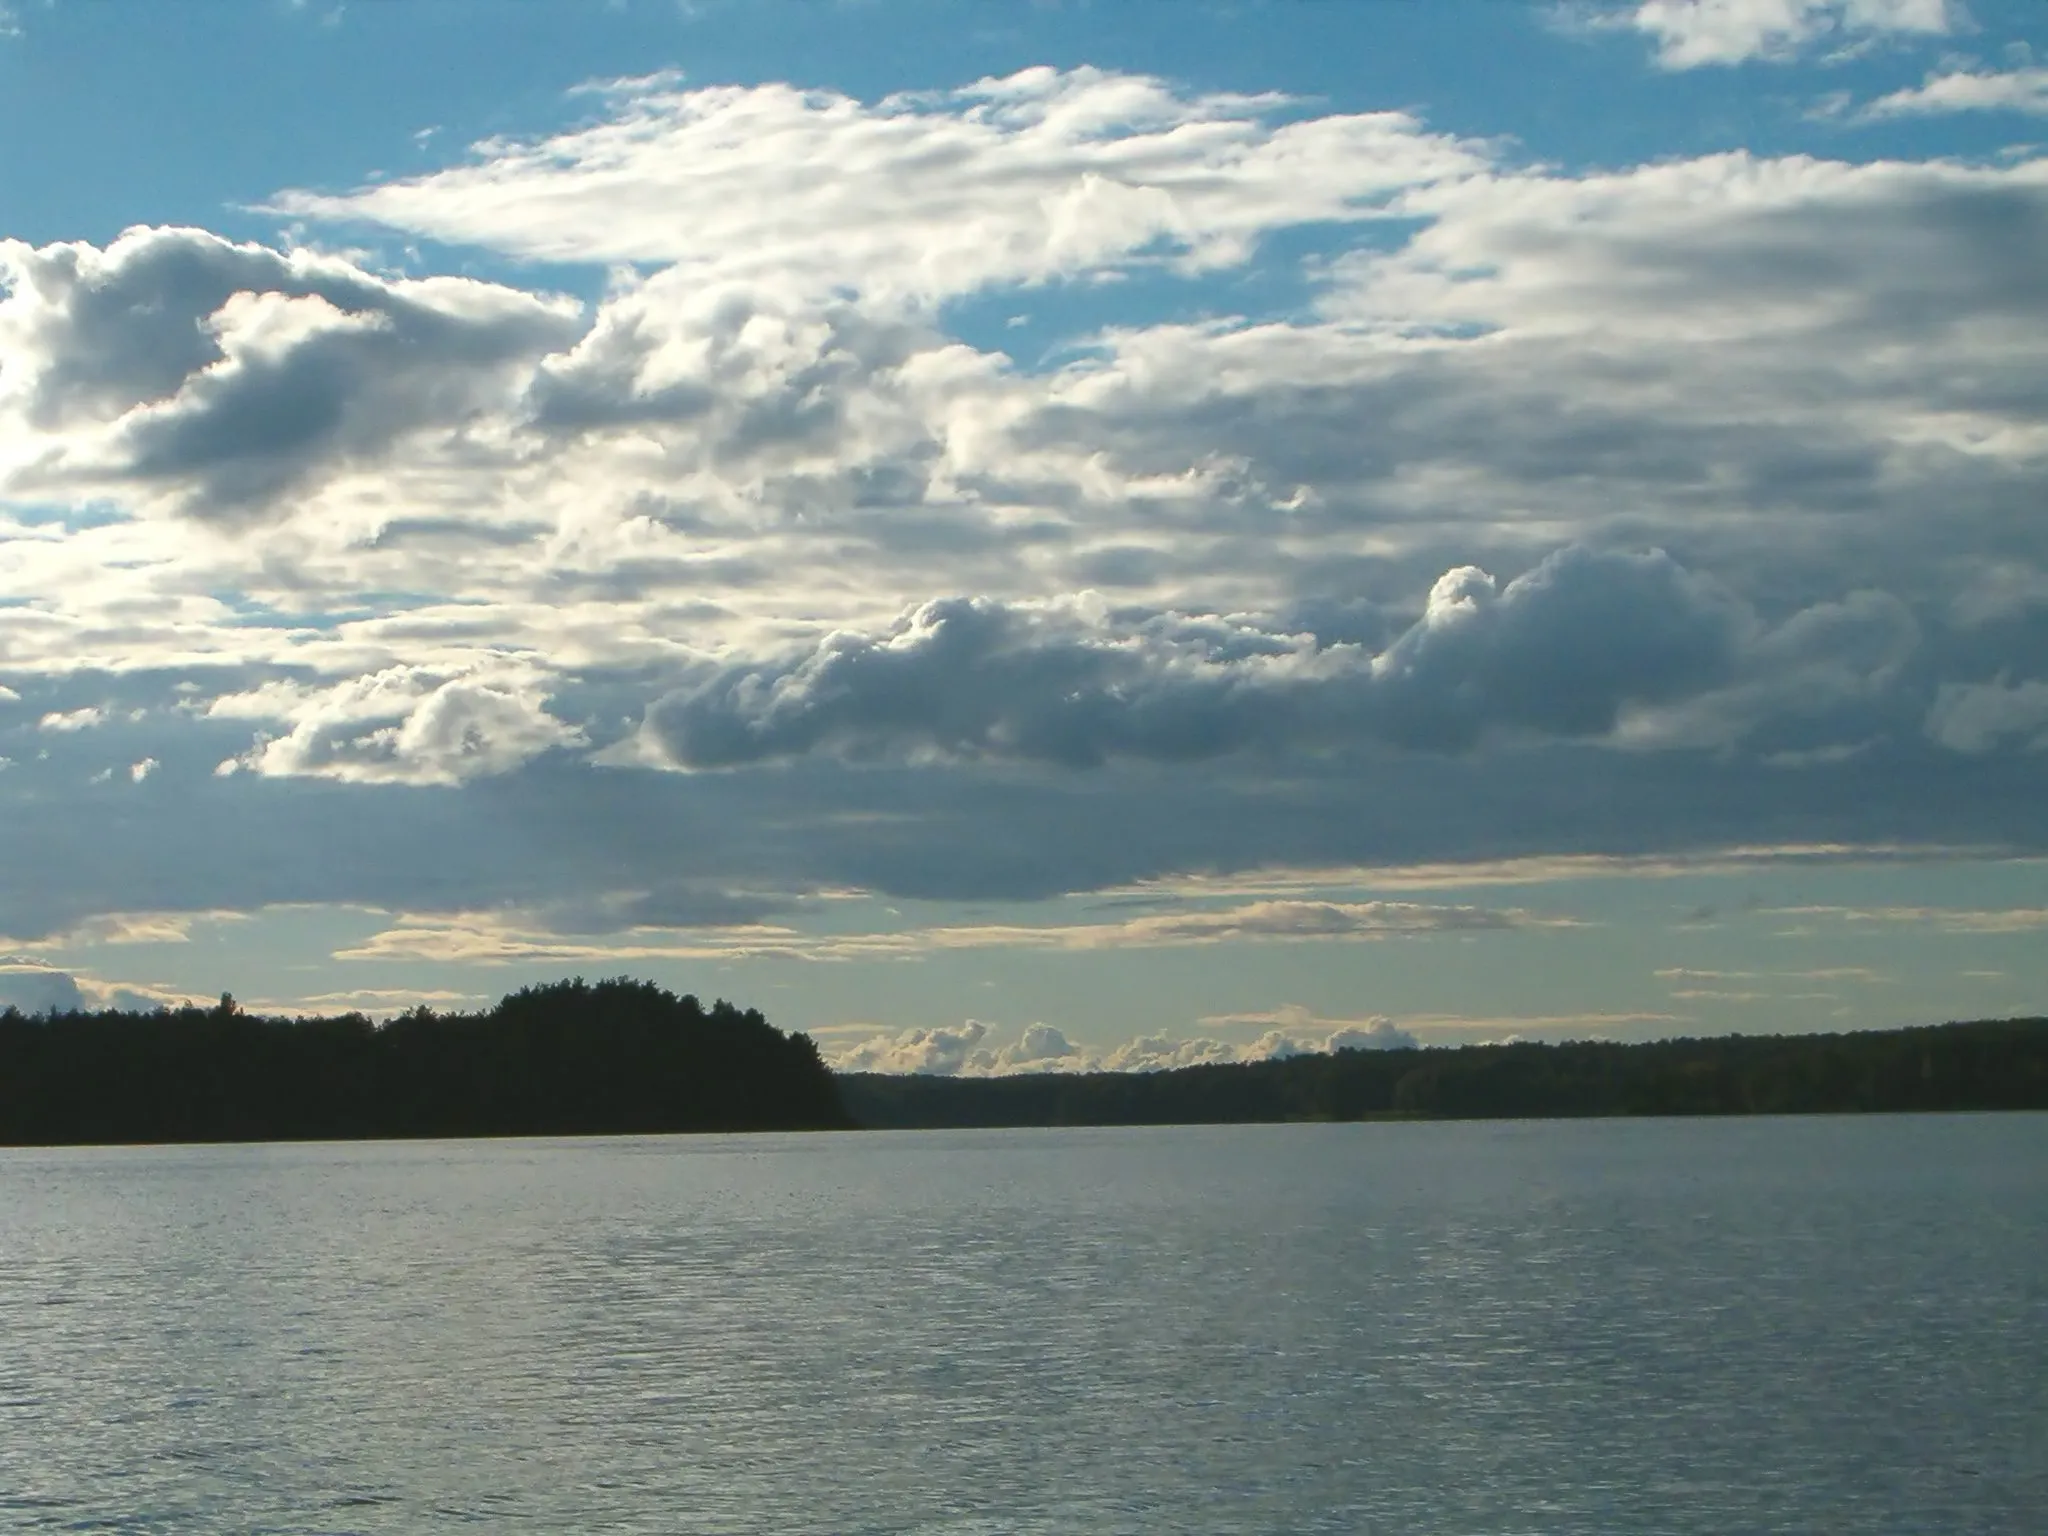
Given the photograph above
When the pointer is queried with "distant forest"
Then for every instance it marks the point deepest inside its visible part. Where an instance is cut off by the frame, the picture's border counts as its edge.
(618, 1057)
(1987, 1065)
(627, 1057)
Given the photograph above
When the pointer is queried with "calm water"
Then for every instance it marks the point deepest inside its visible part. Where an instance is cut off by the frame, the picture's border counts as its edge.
(1623, 1327)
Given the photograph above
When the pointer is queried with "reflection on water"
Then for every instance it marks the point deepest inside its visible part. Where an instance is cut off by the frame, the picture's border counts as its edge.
(1613, 1327)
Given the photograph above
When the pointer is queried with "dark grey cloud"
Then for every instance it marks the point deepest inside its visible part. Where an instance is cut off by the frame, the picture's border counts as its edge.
(559, 837)
(1559, 651)
(973, 678)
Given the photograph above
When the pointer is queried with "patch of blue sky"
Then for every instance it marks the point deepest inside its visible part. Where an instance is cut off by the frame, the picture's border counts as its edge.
(266, 95)
(71, 517)
(253, 613)
(1046, 326)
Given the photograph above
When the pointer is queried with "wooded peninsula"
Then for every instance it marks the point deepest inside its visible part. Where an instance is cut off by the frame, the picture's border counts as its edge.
(624, 1057)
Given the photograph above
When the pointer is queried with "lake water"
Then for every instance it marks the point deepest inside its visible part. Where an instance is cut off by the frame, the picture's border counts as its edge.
(1624, 1327)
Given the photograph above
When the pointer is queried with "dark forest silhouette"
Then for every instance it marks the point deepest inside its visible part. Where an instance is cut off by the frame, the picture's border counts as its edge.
(1986, 1065)
(617, 1057)
(628, 1057)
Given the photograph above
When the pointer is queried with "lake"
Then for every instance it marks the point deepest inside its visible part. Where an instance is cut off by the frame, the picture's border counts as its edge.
(1622, 1327)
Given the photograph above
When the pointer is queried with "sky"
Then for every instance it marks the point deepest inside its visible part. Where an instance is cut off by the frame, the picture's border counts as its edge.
(1031, 536)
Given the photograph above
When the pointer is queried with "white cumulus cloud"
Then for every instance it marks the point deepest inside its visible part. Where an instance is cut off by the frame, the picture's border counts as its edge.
(1042, 175)
(70, 720)
(1963, 90)
(1690, 33)
(967, 1050)
(403, 725)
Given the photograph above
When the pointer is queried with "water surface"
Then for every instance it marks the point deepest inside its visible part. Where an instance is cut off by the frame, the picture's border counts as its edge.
(1823, 1324)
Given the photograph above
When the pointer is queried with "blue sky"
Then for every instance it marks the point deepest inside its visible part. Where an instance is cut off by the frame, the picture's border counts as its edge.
(1031, 535)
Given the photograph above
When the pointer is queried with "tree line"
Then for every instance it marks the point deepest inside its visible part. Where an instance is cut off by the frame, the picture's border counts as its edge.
(568, 1059)
(1991, 1064)
(628, 1057)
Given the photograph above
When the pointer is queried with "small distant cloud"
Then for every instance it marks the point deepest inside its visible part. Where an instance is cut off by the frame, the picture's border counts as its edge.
(72, 720)
(948, 1051)
(138, 928)
(137, 772)
(1693, 33)
(1939, 919)
(8, 695)
(968, 1049)
(2022, 90)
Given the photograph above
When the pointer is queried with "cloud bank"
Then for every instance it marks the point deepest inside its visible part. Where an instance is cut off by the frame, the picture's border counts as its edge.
(967, 1050)
(1649, 508)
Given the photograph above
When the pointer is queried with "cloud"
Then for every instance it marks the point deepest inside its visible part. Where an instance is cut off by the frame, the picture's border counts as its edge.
(965, 1050)
(67, 721)
(543, 934)
(1563, 651)
(138, 928)
(228, 377)
(1542, 869)
(1939, 919)
(1043, 175)
(1976, 717)
(33, 987)
(941, 1052)
(1960, 90)
(1690, 33)
(1275, 921)
(1298, 1030)
(404, 725)
(1615, 515)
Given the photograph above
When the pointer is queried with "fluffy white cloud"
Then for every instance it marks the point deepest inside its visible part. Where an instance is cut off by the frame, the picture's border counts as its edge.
(1043, 175)
(1690, 33)
(1377, 1035)
(965, 1050)
(1295, 1030)
(941, 1052)
(65, 721)
(404, 725)
(227, 377)
(1964, 90)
